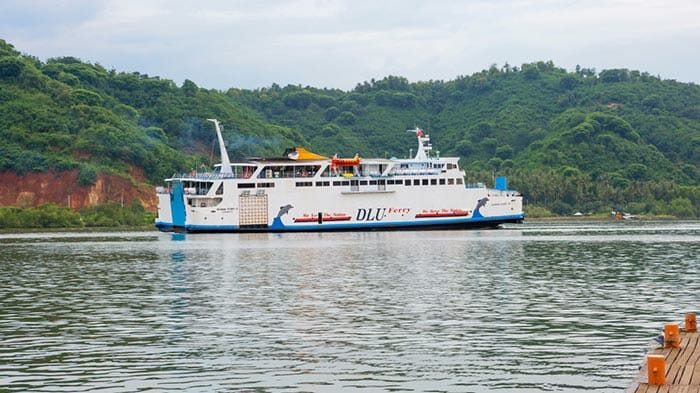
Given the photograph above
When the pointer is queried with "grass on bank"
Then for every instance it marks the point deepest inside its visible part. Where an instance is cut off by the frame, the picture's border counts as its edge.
(50, 215)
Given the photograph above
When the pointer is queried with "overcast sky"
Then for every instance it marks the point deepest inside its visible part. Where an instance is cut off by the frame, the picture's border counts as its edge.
(338, 43)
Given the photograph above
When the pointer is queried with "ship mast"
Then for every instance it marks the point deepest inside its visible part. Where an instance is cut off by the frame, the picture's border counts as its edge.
(424, 145)
(225, 162)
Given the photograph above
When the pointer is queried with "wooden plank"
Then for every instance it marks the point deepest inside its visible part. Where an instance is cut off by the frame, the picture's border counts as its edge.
(693, 374)
(695, 379)
(677, 366)
(689, 349)
(672, 366)
(695, 356)
(687, 374)
(684, 369)
(650, 388)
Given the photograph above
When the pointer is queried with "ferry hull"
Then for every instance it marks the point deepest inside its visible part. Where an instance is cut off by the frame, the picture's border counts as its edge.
(395, 208)
(305, 192)
(482, 223)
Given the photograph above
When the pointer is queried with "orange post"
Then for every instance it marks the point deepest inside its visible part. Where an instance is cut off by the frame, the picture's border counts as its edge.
(672, 336)
(691, 324)
(656, 365)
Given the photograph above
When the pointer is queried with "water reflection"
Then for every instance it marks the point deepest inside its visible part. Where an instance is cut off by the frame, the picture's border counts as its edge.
(537, 307)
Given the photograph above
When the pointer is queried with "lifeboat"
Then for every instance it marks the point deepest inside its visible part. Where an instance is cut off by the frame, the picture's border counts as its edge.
(336, 162)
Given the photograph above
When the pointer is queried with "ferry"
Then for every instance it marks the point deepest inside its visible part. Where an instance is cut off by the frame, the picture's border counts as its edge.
(304, 191)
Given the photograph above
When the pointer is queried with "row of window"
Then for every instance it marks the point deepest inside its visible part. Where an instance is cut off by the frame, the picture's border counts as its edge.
(407, 182)
(252, 185)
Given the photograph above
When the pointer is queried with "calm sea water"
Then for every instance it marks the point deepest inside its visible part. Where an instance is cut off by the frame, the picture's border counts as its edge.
(538, 307)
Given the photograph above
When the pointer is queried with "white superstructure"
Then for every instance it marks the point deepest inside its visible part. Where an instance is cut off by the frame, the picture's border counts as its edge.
(307, 192)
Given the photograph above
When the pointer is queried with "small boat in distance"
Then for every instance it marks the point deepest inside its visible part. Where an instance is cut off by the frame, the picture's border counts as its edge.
(305, 191)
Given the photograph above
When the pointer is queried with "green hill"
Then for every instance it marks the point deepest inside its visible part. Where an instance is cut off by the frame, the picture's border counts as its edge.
(581, 140)
(66, 114)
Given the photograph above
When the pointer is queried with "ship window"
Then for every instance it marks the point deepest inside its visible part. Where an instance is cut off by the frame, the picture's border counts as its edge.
(266, 185)
(459, 181)
(220, 190)
(408, 183)
(363, 182)
(425, 182)
(372, 182)
(244, 171)
(433, 182)
(266, 173)
(398, 181)
(246, 185)
(416, 182)
(336, 183)
(304, 184)
(450, 181)
(345, 183)
(322, 184)
(279, 171)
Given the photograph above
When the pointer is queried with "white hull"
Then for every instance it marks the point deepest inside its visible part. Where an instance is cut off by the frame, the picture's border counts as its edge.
(376, 194)
(399, 207)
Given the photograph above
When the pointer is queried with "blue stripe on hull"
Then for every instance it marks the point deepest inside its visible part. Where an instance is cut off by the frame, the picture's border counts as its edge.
(453, 223)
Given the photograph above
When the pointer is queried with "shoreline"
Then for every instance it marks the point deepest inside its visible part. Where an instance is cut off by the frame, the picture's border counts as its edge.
(147, 228)
(601, 218)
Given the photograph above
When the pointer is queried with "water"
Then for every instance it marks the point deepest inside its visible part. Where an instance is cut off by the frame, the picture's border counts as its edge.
(538, 307)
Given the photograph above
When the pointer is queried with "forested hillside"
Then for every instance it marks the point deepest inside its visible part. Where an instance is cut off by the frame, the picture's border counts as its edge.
(571, 141)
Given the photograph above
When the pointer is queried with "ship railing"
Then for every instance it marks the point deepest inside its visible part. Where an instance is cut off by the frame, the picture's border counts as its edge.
(288, 174)
(211, 175)
(415, 172)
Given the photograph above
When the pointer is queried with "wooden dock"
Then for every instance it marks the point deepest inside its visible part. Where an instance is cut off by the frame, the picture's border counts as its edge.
(682, 368)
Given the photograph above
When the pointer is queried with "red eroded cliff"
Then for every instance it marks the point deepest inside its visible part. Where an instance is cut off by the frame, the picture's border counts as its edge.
(37, 188)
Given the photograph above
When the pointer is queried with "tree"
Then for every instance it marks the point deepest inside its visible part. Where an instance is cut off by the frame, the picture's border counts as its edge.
(10, 67)
(189, 88)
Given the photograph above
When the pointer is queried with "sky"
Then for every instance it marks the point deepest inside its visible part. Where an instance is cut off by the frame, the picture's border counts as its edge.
(222, 44)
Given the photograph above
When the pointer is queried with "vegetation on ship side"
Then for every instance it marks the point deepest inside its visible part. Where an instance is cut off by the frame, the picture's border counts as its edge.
(578, 140)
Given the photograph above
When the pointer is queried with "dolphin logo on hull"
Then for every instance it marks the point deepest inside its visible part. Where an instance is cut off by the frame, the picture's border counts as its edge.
(284, 210)
(479, 204)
